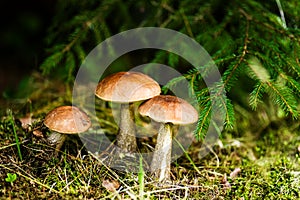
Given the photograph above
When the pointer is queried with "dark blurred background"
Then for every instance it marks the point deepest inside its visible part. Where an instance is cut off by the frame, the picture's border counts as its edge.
(22, 46)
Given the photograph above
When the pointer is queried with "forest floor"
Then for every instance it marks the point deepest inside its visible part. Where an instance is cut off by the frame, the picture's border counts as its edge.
(258, 159)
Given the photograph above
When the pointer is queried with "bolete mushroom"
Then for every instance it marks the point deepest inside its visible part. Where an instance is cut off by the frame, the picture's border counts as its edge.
(65, 120)
(126, 88)
(168, 110)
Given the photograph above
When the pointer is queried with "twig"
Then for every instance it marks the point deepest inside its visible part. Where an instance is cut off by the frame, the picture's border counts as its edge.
(244, 52)
(186, 23)
(13, 144)
(281, 14)
(187, 156)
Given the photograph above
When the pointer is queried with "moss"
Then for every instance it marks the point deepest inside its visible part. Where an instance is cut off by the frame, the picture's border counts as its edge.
(263, 143)
(269, 164)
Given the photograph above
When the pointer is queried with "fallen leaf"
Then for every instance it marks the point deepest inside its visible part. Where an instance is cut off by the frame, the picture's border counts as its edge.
(26, 121)
(225, 183)
(37, 133)
(235, 172)
(111, 185)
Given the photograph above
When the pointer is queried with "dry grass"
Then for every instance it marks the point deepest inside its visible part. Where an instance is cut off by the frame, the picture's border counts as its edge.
(268, 159)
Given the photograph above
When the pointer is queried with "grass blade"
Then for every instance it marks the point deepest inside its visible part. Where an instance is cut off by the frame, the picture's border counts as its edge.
(141, 176)
(11, 118)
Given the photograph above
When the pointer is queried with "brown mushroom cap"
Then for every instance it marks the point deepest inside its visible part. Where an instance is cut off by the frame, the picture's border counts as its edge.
(67, 119)
(169, 109)
(125, 87)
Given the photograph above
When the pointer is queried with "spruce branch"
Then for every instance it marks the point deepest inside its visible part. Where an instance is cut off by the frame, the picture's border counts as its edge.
(230, 119)
(283, 97)
(292, 67)
(231, 72)
(257, 71)
(246, 40)
(294, 85)
(256, 95)
(186, 23)
(203, 122)
(81, 24)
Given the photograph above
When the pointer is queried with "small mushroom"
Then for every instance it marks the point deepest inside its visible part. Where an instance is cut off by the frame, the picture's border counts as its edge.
(126, 88)
(65, 120)
(168, 110)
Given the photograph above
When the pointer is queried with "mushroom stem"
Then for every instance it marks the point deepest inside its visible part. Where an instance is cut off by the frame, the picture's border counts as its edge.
(57, 139)
(126, 139)
(161, 162)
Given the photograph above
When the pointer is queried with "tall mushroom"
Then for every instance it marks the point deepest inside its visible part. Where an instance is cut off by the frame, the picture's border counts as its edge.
(65, 120)
(168, 110)
(126, 88)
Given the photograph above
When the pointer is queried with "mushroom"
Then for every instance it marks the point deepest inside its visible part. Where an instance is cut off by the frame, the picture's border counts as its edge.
(65, 120)
(168, 110)
(126, 88)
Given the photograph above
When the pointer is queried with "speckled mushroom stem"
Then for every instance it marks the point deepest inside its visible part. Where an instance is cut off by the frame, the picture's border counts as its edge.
(126, 138)
(57, 139)
(161, 162)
